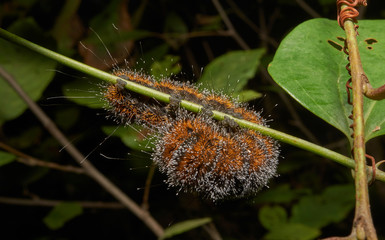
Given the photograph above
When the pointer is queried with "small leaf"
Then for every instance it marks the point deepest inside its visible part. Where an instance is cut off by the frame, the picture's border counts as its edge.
(83, 93)
(230, 72)
(332, 206)
(184, 226)
(167, 67)
(132, 137)
(6, 158)
(293, 231)
(248, 95)
(61, 214)
(272, 217)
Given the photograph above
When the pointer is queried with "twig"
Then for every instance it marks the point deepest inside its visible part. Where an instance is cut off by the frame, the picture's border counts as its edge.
(212, 231)
(90, 169)
(308, 9)
(229, 25)
(262, 34)
(31, 161)
(52, 203)
(146, 194)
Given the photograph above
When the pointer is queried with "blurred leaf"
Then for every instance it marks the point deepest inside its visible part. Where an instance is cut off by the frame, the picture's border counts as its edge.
(184, 226)
(64, 31)
(248, 95)
(61, 214)
(152, 55)
(167, 67)
(320, 210)
(293, 231)
(132, 136)
(209, 23)
(279, 194)
(83, 93)
(175, 24)
(67, 118)
(310, 65)
(6, 158)
(230, 72)
(27, 138)
(272, 217)
(31, 70)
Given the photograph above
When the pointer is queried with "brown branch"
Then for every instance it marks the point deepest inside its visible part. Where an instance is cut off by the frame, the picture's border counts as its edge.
(263, 33)
(31, 161)
(89, 168)
(308, 9)
(52, 203)
(229, 25)
(146, 194)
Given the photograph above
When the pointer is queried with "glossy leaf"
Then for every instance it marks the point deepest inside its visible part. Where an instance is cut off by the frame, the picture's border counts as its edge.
(310, 66)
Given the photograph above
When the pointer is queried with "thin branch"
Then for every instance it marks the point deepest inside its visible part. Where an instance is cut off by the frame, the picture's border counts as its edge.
(229, 25)
(52, 203)
(146, 194)
(308, 9)
(74, 152)
(262, 34)
(31, 161)
(212, 231)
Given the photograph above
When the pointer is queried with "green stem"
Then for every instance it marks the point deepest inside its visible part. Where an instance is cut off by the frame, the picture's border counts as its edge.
(363, 224)
(283, 137)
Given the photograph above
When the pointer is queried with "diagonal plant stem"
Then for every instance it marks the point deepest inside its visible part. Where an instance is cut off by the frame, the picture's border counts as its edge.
(363, 227)
(163, 97)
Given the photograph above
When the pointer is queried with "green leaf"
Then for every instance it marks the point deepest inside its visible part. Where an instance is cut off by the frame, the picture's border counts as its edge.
(83, 93)
(175, 24)
(320, 210)
(310, 65)
(61, 214)
(31, 70)
(167, 67)
(293, 231)
(248, 95)
(184, 226)
(6, 158)
(230, 72)
(272, 216)
(131, 136)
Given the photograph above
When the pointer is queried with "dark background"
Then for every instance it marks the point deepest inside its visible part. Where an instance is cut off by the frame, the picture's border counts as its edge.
(259, 24)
